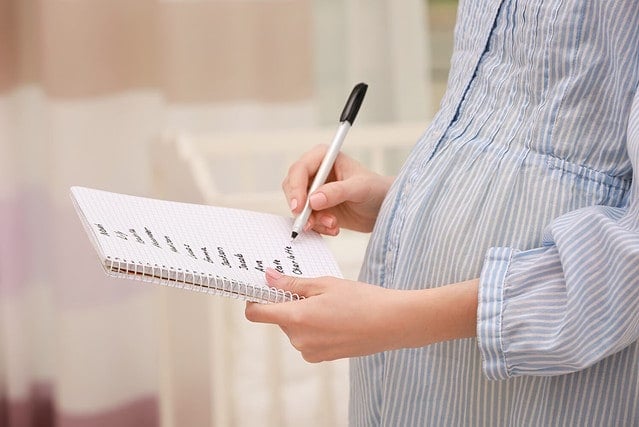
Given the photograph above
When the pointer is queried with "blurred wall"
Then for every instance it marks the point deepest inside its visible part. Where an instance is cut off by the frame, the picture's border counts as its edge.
(85, 88)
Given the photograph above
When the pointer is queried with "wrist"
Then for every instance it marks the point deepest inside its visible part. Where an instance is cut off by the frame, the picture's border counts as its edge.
(387, 182)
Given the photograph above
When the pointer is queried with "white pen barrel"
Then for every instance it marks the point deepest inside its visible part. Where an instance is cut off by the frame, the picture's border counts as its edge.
(329, 157)
(322, 173)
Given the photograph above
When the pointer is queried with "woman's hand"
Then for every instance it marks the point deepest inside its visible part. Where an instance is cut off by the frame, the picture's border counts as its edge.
(351, 198)
(340, 318)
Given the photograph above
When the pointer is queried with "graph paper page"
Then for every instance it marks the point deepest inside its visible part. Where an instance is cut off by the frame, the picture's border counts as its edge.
(207, 240)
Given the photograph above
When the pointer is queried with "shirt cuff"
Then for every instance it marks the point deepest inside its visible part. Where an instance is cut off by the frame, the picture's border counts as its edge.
(490, 310)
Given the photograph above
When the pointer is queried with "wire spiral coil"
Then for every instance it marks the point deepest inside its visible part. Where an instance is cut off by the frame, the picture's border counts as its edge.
(195, 281)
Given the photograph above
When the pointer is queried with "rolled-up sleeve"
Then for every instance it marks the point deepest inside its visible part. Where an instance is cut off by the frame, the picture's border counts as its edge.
(566, 305)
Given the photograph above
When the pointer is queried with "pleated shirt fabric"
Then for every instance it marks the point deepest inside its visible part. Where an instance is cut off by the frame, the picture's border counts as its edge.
(525, 180)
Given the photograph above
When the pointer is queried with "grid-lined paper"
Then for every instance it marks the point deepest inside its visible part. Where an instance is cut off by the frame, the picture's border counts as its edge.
(191, 243)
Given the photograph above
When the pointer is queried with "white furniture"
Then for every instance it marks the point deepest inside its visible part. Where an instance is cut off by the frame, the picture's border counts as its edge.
(244, 373)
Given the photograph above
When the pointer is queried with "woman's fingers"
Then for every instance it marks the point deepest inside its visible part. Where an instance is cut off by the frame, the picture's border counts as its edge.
(299, 177)
(280, 313)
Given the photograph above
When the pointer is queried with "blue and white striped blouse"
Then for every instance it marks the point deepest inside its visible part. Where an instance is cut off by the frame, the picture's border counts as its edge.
(523, 179)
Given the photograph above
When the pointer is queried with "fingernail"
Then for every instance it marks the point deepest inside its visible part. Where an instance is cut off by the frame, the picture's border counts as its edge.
(318, 200)
(328, 221)
(272, 273)
(293, 204)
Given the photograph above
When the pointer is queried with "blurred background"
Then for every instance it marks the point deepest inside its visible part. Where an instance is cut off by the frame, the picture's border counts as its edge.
(205, 101)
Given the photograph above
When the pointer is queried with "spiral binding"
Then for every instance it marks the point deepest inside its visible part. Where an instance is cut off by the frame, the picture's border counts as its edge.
(195, 281)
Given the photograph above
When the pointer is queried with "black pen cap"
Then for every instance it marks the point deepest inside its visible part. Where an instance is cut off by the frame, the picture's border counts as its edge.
(353, 103)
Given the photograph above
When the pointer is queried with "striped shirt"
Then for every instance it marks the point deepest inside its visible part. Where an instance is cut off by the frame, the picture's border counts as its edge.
(523, 179)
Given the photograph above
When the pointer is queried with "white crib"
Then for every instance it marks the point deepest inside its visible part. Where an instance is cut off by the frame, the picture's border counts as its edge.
(233, 372)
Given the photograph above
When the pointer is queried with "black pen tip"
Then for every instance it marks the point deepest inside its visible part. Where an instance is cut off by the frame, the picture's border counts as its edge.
(293, 235)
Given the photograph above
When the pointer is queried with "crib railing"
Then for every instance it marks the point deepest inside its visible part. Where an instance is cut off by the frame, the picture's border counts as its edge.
(244, 373)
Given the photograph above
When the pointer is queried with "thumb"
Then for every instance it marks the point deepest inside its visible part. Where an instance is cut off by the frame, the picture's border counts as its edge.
(303, 287)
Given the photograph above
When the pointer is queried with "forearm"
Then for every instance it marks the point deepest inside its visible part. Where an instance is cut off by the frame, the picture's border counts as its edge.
(439, 314)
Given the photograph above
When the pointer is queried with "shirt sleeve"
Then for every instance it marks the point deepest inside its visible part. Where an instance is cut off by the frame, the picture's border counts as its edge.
(565, 306)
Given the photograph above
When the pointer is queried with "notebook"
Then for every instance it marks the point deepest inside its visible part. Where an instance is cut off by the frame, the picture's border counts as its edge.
(210, 249)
